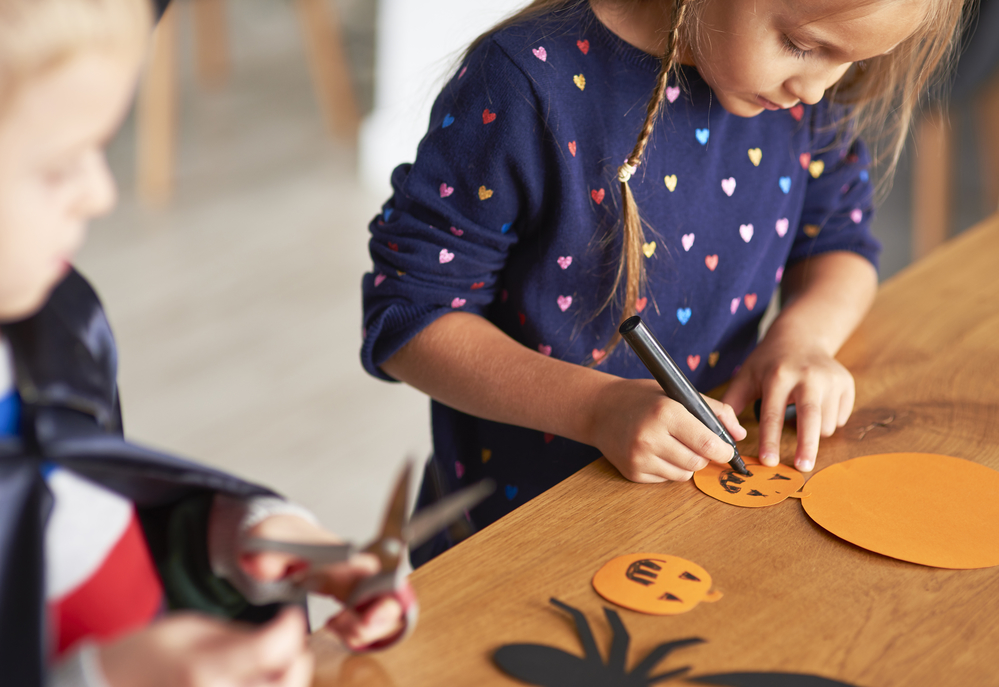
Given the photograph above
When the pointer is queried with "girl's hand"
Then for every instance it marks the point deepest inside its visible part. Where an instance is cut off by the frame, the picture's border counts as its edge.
(191, 650)
(650, 438)
(383, 619)
(783, 370)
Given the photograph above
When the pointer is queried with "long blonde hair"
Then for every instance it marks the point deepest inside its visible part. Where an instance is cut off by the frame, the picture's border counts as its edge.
(40, 35)
(881, 93)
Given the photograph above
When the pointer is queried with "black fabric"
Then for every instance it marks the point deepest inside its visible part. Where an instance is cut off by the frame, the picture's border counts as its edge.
(65, 365)
(159, 6)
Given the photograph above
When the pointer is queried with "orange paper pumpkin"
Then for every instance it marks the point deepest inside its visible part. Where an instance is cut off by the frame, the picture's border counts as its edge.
(764, 486)
(919, 507)
(654, 583)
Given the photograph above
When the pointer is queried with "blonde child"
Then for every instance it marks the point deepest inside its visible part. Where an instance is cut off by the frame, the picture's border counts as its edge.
(513, 246)
(114, 558)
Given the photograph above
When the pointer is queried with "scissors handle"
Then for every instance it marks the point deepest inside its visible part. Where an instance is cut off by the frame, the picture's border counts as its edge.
(373, 589)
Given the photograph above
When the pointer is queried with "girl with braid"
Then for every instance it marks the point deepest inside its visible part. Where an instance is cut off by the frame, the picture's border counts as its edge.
(594, 159)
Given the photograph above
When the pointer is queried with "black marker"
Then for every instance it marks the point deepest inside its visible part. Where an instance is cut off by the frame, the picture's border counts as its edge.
(674, 382)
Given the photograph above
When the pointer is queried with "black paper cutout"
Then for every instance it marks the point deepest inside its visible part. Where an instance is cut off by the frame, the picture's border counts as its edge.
(767, 680)
(548, 666)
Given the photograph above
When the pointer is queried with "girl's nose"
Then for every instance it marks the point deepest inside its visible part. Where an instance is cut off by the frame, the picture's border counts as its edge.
(807, 89)
(98, 193)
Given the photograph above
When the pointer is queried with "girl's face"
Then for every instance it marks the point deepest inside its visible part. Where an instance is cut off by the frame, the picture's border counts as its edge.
(771, 54)
(53, 175)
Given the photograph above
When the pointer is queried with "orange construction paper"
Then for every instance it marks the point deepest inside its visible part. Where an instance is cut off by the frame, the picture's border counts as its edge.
(654, 583)
(919, 507)
(764, 487)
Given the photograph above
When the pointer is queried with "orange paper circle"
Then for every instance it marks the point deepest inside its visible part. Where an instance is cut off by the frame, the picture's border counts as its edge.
(654, 583)
(764, 487)
(919, 507)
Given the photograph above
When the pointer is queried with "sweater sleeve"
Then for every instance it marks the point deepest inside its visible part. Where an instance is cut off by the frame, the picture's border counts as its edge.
(476, 187)
(839, 200)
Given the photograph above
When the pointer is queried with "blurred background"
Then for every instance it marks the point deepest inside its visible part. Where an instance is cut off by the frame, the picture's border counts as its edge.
(258, 152)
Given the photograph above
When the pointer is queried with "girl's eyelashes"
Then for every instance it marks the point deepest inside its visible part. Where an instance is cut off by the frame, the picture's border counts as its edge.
(791, 48)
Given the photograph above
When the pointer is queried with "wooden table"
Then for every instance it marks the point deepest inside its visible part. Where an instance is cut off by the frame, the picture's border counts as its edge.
(796, 598)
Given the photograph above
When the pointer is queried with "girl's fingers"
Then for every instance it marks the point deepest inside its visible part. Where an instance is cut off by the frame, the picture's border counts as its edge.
(830, 413)
(846, 402)
(300, 672)
(383, 619)
(809, 429)
(697, 443)
(772, 424)
(728, 416)
(274, 648)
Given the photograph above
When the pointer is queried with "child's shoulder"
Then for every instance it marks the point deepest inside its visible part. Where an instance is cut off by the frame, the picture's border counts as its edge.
(555, 38)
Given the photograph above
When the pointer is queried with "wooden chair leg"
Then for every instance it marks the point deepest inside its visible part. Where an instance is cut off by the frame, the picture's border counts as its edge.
(987, 113)
(156, 115)
(931, 188)
(211, 42)
(328, 66)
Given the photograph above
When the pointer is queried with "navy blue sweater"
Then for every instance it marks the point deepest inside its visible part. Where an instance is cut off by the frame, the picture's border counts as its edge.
(511, 210)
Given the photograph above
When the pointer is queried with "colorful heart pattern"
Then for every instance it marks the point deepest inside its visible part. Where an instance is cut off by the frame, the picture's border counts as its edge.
(672, 93)
(734, 305)
(683, 314)
(457, 232)
(711, 261)
(815, 168)
(597, 195)
(580, 81)
(782, 227)
(564, 261)
(670, 182)
(750, 300)
(448, 121)
(446, 190)
(640, 303)
(702, 136)
(693, 361)
(746, 232)
(785, 184)
(755, 155)
(485, 193)
(564, 303)
(798, 111)
(728, 186)
(584, 46)
(688, 241)
(445, 256)
(544, 350)
(379, 278)
(488, 117)
(459, 469)
(486, 454)
(649, 248)
(572, 148)
(540, 53)
(598, 354)
(457, 302)
(713, 358)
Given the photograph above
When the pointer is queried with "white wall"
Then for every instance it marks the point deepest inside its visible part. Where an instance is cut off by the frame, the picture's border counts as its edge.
(418, 44)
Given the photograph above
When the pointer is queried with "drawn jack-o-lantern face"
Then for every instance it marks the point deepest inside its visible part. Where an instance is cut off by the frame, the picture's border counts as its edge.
(654, 583)
(764, 486)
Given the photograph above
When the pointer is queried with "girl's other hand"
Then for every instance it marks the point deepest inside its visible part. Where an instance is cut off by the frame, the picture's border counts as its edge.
(785, 370)
(649, 437)
(191, 650)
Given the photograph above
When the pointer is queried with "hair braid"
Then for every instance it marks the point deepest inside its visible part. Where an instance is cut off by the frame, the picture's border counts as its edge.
(631, 267)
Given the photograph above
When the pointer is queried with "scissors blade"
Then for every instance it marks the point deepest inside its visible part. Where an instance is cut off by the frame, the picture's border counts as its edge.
(434, 518)
(388, 546)
(321, 554)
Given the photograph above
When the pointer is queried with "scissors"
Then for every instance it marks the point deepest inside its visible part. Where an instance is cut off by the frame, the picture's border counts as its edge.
(397, 535)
